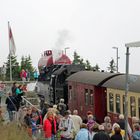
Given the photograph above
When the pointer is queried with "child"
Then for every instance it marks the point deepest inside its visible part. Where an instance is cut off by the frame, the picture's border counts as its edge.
(35, 127)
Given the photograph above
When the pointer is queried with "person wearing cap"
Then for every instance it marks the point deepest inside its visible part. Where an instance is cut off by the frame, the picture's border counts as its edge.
(116, 125)
(89, 113)
(90, 123)
(61, 107)
(117, 133)
(101, 135)
(66, 127)
(85, 120)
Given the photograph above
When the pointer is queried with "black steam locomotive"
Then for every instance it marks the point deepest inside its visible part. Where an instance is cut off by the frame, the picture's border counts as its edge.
(52, 79)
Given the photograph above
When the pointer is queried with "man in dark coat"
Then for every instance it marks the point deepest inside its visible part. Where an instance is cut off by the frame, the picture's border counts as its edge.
(101, 135)
(61, 107)
(10, 101)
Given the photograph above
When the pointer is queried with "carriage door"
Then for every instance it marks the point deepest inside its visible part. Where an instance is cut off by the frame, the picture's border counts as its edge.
(100, 103)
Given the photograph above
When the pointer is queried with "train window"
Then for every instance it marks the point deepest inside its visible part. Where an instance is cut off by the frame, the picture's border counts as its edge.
(91, 97)
(70, 92)
(132, 106)
(123, 104)
(111, 102)
(86, 96)
(139, 106)
(117, 103)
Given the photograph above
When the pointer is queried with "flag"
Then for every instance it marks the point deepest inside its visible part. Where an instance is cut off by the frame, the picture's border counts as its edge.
(12, 46)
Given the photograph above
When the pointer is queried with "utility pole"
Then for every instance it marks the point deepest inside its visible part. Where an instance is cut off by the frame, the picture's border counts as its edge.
(117, 57)
(127, 82)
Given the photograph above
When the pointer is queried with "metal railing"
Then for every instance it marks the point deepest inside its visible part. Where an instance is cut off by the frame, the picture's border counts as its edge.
(27, 102)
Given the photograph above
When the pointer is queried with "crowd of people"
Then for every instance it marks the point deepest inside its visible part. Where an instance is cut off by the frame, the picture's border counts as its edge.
(25, 75)
(57, 123)
(14, 99)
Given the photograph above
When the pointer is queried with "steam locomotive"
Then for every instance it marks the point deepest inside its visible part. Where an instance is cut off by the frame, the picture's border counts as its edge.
(100, 92)
(53, 74)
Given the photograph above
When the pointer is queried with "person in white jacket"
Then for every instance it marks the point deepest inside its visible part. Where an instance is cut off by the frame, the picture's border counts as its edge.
(66, 127)
(77, 120)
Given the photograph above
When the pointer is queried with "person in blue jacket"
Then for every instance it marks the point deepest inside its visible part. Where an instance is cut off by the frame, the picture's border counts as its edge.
(19, 94)
(136, 132)
(83, 133)
(35, 75)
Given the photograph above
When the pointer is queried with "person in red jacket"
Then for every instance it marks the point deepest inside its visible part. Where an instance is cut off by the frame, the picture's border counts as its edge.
(50, 126)
(23, 75)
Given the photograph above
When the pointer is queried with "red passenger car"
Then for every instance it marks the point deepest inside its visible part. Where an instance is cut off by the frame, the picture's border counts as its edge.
(86, 93)
(104, 94)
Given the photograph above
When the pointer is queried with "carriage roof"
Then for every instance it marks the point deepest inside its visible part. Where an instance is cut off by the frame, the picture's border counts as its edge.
(105, 79)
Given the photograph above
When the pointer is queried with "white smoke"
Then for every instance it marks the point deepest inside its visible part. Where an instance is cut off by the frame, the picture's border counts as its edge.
(60, 44)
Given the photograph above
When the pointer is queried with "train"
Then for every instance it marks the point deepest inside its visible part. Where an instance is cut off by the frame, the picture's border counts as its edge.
(103, 93)
(53, 74)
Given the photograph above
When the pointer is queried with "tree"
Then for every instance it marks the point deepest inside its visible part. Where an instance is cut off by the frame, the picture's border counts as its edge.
(2, 73)
(14, 66)
(87, 65)
(76, 59)
(29, 65)
(112, 66)
(96, 68)
(79, 60)
(22, 63)
(26, 64)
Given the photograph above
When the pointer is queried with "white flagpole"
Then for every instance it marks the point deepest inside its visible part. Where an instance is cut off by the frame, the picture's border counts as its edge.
(9, 52)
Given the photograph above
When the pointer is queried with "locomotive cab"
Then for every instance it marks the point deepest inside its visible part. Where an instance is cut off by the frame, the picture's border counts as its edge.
(58, 83)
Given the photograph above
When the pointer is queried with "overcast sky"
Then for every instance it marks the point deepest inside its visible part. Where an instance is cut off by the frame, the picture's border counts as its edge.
(89, 27)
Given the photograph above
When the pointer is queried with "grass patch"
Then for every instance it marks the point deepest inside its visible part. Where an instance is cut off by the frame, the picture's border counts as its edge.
(13, 132)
